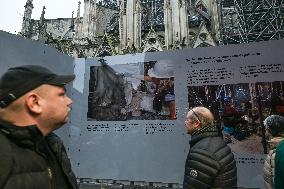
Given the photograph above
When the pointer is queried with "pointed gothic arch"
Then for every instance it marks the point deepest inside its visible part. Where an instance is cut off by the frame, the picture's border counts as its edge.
(204, 38)
(152, 42)
(152, 50)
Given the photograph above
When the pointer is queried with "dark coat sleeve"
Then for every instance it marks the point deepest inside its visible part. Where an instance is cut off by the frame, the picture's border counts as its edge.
(6, 161)
(201, 169)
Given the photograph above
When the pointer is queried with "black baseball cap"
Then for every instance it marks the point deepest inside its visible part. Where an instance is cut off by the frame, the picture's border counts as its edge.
(17, 81)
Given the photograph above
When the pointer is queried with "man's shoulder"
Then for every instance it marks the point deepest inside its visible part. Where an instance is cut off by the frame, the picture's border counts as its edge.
(55, 142)
(52, 137)
(6, 156)
(212, 141)
(5, 143)
(280, 147)
(211, 144)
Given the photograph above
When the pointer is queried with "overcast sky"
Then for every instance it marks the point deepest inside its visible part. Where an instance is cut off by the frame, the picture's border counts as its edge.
(11, 11)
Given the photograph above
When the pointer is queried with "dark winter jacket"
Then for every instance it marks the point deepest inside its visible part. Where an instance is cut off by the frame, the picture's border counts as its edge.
(28, 160)
(210, 162)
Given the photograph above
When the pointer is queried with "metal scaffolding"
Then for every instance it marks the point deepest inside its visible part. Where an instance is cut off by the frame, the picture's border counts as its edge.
(112, 4)
(152, 14)
(244, 21)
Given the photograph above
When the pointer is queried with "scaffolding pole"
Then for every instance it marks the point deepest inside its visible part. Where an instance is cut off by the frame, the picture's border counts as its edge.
(245, 21)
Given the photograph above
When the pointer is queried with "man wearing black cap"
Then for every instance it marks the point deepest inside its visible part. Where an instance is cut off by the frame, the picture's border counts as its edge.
(33, 103)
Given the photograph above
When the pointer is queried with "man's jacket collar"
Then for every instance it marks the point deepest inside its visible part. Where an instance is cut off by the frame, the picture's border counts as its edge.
(26, 136)
(205, 131)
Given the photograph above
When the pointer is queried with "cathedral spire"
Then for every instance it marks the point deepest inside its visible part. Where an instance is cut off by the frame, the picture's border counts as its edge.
(168, 23)
(122, 25)
(78, 12)
(78, 21)
(130, 9)
(137, 24)
(121, 7)
(152, 15)
(72, 22)
(42, 27)
(27, 18)
(42, 16)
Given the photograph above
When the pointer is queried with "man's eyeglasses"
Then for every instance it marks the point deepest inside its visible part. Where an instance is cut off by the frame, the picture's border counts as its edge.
(195, 114)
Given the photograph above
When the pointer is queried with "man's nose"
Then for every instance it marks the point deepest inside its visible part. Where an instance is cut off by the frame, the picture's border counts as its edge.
(69, 101)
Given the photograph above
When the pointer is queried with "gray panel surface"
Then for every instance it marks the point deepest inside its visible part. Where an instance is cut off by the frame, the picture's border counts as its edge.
(128, 154)
(147, 150)
(131, 153)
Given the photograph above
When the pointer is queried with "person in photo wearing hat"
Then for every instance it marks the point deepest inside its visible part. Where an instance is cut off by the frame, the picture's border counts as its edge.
(33, 103)
(162, 75)
(274, 125)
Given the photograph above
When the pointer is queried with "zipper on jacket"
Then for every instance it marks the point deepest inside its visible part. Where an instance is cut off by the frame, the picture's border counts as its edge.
(50, 176)
(49, 173)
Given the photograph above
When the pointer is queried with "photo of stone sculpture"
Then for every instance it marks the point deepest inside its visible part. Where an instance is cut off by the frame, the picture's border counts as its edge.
(133, 91)
(240, 110)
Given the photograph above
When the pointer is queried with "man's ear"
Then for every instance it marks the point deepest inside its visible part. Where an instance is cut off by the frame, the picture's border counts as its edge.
(34, 102)
(197, 124)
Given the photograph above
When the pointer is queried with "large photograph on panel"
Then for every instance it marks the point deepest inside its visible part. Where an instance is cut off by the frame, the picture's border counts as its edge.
(132, 91)
(240, 110)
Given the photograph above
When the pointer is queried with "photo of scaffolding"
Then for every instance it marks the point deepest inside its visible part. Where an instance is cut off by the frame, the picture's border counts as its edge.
(239, 110)
(133, 91)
